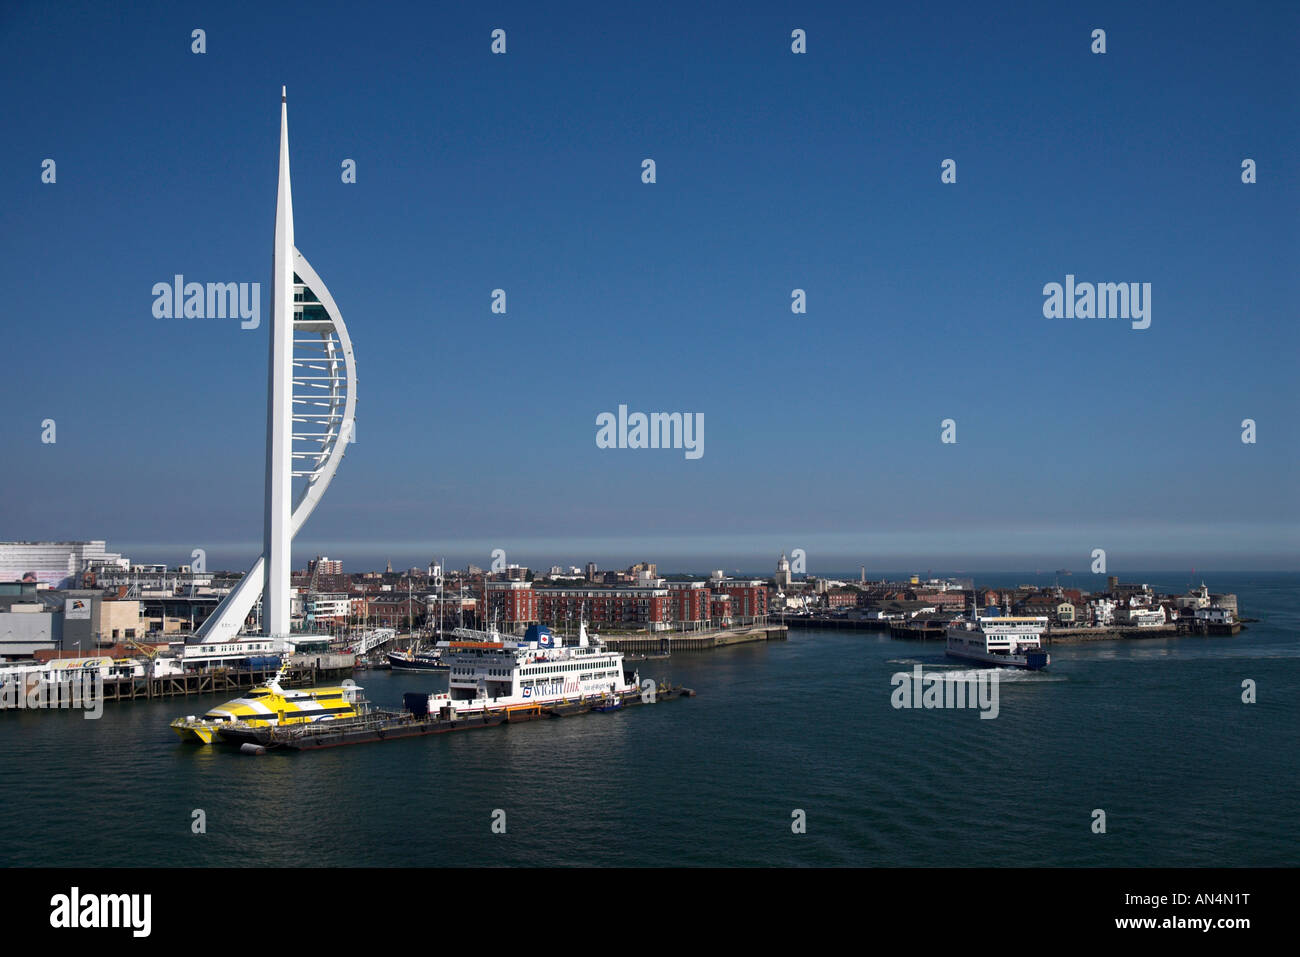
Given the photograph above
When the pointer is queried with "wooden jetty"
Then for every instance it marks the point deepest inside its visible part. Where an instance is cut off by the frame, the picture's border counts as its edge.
(304, 671)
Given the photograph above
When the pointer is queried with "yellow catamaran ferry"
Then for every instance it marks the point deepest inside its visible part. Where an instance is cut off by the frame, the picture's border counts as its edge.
(270, 704)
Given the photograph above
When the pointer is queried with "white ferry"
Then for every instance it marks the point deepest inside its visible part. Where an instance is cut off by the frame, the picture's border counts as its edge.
(1007, 641)
(490, 672)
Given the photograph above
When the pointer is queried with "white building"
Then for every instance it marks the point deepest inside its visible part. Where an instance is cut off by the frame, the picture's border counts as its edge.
(326, 608)
(56, 564)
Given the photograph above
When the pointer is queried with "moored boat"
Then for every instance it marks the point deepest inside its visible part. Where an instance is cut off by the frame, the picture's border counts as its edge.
(272, 704)
(416, 661)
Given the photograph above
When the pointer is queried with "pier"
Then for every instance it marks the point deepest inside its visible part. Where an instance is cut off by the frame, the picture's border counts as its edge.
(664, 643)
(304, 671)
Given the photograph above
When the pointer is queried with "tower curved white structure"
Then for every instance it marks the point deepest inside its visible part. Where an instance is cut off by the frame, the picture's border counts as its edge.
(310, 415)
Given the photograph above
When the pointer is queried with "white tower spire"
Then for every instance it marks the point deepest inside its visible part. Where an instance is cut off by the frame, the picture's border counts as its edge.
(310, 408)
(278, 534)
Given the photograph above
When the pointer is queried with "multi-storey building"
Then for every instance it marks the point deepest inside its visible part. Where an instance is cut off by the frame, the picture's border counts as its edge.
(690, 601)
(748, 597)
(510, 603)
(327, 609)
(627, 607)
(841, 599)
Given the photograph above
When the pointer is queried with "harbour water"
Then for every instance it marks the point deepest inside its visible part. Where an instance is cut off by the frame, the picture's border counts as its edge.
(1153, 732)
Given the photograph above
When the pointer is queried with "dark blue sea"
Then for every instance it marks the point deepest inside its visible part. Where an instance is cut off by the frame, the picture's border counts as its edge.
(1152, 732)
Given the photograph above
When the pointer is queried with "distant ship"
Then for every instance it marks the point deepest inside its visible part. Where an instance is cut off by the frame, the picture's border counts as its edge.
(1064, 571)
(1005, 641)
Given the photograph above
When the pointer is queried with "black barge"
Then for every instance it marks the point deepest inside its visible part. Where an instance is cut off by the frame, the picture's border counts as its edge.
(381, 725)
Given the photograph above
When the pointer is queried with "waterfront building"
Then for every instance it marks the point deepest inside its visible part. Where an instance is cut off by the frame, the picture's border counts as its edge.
(748, 596)
(510, 603)
(1102, 611)
(623, 607)
(841, 598)
(391, 610)
(1140, 616)
(948, 600)
(1215, 615)
(690, 602)
(451, 609)
(326, 609)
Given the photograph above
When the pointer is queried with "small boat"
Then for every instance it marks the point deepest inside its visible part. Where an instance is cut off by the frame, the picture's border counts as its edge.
(614, 704)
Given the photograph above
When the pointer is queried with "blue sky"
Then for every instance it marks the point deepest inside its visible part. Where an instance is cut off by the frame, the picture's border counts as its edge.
(775, 171)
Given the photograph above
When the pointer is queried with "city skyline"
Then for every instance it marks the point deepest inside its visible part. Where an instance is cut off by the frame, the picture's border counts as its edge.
(818, 172)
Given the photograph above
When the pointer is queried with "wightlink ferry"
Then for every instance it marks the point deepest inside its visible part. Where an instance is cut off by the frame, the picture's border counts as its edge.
(491, 672)
(993, 639)
(271, 704)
